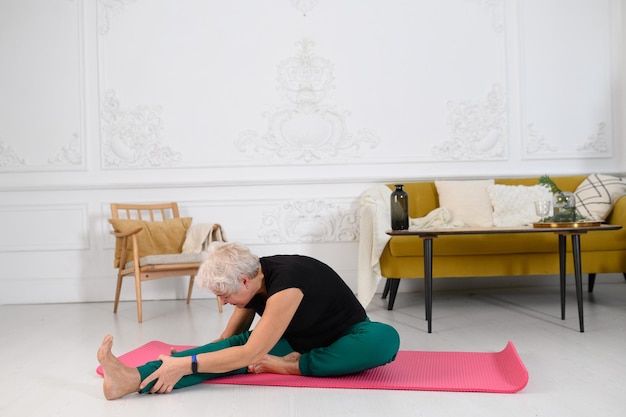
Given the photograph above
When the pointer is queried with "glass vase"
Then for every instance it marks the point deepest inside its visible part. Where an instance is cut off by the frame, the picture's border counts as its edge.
(564, 204)
(399, 209)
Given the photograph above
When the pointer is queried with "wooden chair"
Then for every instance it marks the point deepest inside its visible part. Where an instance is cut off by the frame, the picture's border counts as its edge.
(149, 238)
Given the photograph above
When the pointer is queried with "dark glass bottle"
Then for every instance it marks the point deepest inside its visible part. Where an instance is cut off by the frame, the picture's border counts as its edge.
(399, 209)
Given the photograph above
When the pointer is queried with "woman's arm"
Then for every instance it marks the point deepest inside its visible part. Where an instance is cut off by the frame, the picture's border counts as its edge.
(239, 322)
(279, 311)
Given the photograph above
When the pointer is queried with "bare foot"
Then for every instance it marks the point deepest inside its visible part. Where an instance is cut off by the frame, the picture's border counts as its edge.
(119, 379)
(286, 365)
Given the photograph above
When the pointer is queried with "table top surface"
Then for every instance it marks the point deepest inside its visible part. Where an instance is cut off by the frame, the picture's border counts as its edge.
(502, 230)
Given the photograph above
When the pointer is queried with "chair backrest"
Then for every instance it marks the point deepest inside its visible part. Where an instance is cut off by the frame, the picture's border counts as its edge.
(163, 231)
(147, 212)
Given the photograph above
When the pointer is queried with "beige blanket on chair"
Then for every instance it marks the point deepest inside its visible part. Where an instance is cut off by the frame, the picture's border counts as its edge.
(200, 236)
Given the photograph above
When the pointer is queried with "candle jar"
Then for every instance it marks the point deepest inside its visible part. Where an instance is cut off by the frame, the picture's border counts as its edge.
(564, 204)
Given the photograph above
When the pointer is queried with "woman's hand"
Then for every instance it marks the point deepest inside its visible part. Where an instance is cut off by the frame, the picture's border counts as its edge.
(168, 374)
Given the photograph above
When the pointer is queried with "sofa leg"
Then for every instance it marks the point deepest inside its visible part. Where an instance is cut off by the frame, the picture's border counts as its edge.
(592, 281)
(386, 289)
(394, 283)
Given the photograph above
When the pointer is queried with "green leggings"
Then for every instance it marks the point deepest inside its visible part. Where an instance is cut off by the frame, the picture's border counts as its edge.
(362, 346)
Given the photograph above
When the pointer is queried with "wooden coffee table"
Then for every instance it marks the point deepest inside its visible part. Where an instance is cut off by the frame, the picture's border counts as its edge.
(573, 230)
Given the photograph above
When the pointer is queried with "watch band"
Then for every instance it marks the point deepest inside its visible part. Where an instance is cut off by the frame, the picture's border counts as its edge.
(194, 364)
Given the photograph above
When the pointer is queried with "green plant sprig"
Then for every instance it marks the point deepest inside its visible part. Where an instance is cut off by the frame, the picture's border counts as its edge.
(546, 180)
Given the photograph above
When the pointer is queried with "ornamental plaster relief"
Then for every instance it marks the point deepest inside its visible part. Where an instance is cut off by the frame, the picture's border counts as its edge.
(8, 157)
(72, 154)
(69, 156)
(309, 221)
(478, 128)
(537, 143)
(107, 11)
(538, 146)
(305, 6)
(307, 128)
(596, 142)
(132, 138)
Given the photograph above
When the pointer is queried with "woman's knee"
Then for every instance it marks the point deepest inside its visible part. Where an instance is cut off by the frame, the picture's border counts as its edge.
(383, 341)
(389, 340)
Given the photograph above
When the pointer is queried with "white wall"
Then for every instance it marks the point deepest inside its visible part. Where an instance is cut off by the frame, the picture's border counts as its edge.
(621, 80)
(272, 117)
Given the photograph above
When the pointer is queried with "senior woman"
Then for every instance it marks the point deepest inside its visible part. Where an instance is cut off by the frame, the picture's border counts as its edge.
(310, 324)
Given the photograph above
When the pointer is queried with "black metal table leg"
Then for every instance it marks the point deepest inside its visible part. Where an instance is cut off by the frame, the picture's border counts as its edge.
(428, 279)
(578, 279)
(562, 254)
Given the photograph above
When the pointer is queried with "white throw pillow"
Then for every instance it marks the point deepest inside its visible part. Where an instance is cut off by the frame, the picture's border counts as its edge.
(514, 205)
(597, 194)
(467, 201)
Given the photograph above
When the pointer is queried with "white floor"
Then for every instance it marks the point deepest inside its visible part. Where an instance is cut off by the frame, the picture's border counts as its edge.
(48, 355)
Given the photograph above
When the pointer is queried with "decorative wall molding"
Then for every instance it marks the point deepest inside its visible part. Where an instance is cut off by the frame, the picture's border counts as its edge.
(596, 142)
(562, 117)
(538, 146)
(478, 128)
(49, 106)
(107, 11)
(71, 154)
(309, 221)
(8, 157)
(537, 143)
(306, 129)
(305, 6)
(495, 8)
(31, 228)
(132, 138)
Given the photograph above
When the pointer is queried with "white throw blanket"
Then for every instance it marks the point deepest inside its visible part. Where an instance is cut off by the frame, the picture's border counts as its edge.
(374, 222)
(200, 236)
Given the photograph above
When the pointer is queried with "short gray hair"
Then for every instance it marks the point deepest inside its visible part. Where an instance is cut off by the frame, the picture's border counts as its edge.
(223, 266)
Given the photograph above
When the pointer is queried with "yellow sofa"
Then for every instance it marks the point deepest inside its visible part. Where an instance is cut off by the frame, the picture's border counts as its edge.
(499, 254)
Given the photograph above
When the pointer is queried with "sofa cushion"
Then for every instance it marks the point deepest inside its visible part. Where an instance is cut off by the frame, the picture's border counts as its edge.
(467, 201)
(513, 205)
(159, 237)
(597, 194)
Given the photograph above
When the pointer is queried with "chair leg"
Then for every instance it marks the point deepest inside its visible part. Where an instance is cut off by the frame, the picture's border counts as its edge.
(191, 280)
(592, 281)
(138, 295)
(118, 290)
(219, 303)
(393, 290)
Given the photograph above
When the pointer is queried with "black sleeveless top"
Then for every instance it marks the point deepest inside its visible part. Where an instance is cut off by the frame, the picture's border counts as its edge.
(328, 308)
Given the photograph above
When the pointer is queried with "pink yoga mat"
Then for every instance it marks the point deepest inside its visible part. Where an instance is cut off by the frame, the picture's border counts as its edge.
(501, 372)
